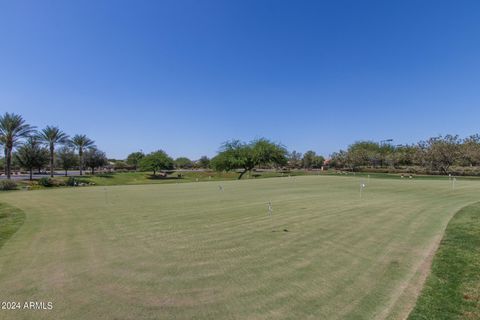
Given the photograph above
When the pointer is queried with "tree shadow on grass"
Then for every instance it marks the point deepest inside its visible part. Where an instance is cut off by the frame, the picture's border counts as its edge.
(103, 175)
(163, 177)
(11, 219)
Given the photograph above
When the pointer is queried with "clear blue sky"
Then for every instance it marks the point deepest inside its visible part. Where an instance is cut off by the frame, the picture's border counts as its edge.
(184, 76)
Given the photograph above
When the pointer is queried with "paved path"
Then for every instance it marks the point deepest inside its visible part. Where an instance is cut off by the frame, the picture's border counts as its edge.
(38, 176)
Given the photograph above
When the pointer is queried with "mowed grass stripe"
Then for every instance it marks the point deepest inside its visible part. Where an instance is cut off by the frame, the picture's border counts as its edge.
(11, 219)
(190, 251)
(452, 290)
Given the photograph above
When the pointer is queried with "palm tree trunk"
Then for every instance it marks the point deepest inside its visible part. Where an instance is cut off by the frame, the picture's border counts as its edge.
(8, 160)
(80, 157)
(52, 154)
(5, 157)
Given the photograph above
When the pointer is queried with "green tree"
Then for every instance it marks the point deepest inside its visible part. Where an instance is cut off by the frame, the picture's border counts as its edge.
(308, 159)
(442, 152)
(12, 129)
(31, 155)
(134, 159)
(183, 163)
(364, 153)
(470, 150)
(318, 162)
(204, 162)
(311, 160)
(404, 155)
(119, 164)
(338, 159)
(246, 156)
(67, 158)
(52, 136)
(294, 159)
(156, 161)
(81, 142)
(95, 158)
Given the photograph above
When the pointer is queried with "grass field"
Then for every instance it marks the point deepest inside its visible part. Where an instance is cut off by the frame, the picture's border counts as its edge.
(191, 251)
(452, 290)
(135, 178)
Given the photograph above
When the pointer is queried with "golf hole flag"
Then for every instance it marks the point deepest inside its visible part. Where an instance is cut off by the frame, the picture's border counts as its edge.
(362, 186)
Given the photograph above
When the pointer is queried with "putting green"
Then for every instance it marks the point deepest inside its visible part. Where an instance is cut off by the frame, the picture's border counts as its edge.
(191, 251)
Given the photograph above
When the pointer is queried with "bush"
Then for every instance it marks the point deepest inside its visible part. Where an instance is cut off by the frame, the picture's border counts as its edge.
(71, 182)
(7, 185)
(75, 182)
(45, 182)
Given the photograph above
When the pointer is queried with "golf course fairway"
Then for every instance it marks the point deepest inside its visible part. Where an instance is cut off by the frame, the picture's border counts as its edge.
(201, 251)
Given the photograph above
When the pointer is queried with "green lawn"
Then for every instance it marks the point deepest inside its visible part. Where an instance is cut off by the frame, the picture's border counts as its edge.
(452, 290)
(191, 251)
(11, 219)
(134, 178)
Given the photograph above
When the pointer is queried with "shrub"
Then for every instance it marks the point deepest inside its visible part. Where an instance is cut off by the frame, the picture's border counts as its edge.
(45, 182)
(7, 185)
(71, 182)
(75, 182)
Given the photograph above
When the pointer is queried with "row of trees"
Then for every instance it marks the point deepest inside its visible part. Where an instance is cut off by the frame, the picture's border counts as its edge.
(134, 159)
(35, 148)
(234, 155)
(437, 154)
(33, 155)
(309, 160)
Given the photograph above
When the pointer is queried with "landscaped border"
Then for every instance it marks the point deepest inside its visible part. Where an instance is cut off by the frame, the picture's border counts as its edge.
(452, 290)
(11, 219)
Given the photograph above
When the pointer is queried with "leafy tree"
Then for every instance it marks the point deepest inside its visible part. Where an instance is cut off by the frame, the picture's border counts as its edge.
(318, 162)
(308, 159)
(441, 152)
(67, 158)
(119, 164)
(183, 163)
(246, 156)
(32, 155)
(52, 136)
(204, 162)
(295, 160)
(134, 159)
(12, 129)
(470, 150)
(312, 160)
(385, 155)
(156, 161)
(338, 159)
(404, 155)
(363, 153)
(95, 158)
(81, 142)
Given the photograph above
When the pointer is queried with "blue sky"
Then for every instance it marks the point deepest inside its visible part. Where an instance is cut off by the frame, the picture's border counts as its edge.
(184, 76)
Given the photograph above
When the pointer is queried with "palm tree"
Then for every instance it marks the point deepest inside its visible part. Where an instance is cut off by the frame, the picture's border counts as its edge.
(82, 142)
(52, 136)
(12, 129)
